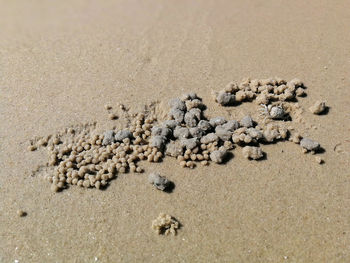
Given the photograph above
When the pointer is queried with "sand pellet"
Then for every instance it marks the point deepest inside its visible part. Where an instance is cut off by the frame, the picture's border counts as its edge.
(251, 152)
(319, 160)
(318, 108)
(21, 213)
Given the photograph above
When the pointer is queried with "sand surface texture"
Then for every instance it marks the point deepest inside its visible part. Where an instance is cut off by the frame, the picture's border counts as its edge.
(61, 62)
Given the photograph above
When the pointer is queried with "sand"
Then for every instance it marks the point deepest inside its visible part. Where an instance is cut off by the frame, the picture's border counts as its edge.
(61, 62)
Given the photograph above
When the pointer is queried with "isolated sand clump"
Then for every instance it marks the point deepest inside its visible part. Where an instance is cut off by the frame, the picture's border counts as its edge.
(165, 224)
(160, 182)
(318, 108)
(319, 160)
(21, 213)
(309, 145)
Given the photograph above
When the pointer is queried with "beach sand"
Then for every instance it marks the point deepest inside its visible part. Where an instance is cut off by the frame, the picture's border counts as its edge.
(61, 62)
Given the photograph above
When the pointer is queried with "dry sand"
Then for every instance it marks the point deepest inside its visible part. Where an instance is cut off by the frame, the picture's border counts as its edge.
(61, 62)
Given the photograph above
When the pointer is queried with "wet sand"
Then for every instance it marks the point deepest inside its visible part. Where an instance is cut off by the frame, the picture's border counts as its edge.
(61, 63)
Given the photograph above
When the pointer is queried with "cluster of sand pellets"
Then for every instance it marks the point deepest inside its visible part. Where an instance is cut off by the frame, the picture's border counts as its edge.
(80, 156)
(165, 224)
(263, 91)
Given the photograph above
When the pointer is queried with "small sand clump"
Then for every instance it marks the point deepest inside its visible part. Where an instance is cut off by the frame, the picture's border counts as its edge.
(274, 112)
(318, 108)
(251, 152)
(295, 137)
(160, 182)
(107, 107)
(309, 145)
(216, 121)
(174, 149)
(122, 134)
(112, 116)
(165, 224)
(209, 138)
(247, 122)
(223, 133)
(21, 213)
(54, 188)
(225, 98)
(32, 148)
(319, 160)
(218, 156)
(108, 137)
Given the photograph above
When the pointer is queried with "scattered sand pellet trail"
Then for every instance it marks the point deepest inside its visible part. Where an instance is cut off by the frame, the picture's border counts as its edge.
(84, 158)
